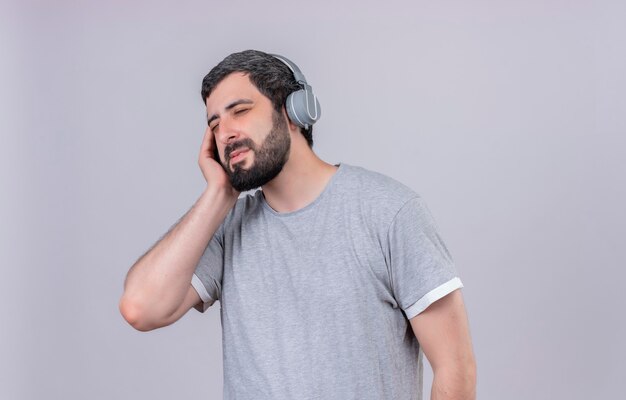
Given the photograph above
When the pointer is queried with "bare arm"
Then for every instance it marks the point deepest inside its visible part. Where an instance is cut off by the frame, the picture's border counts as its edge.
(443, 333)
(157, 289)
(159, 281)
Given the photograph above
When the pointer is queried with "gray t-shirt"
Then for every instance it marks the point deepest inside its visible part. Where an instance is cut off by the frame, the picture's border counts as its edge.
(315, 303)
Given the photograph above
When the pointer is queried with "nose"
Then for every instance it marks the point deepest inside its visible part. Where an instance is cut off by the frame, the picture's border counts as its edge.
(227, 132)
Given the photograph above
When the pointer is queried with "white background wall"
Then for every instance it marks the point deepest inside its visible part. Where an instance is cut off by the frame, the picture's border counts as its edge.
(508, 117)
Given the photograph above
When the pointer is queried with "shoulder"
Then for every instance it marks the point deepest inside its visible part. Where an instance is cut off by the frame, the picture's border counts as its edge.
(378, 187)
(378, 194)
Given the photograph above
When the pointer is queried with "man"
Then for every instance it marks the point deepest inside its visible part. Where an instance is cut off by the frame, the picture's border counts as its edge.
(332, 279)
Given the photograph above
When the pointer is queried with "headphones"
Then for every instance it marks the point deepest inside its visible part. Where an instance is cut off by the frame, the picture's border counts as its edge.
(302, 106)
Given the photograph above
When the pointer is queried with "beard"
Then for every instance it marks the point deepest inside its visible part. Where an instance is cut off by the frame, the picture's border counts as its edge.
(269, 158)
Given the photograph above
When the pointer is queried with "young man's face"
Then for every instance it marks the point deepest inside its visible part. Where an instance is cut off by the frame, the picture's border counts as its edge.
(242, 118)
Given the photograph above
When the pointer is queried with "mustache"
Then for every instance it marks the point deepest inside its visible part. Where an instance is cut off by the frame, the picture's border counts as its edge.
(238, 145)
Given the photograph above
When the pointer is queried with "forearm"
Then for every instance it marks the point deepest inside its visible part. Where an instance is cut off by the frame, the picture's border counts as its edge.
(459, 384)
(156, 284)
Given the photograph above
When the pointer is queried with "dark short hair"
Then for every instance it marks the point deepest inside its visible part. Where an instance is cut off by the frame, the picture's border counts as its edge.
(271, 77)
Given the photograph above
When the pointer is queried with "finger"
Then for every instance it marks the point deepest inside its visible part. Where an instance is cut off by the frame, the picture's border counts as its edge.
(207, 143)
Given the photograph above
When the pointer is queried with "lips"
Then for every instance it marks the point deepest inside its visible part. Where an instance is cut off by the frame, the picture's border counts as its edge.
(234, 153)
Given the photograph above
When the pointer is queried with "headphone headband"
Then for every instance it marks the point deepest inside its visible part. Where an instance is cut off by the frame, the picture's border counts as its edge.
(293, 67)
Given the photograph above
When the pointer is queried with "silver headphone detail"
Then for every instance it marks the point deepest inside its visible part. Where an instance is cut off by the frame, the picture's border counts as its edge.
(302, 106)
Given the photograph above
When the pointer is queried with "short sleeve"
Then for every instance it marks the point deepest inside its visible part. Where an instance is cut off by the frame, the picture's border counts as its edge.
(207, 278)
(421, 268)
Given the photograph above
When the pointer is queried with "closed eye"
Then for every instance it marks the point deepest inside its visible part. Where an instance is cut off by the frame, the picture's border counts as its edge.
(240, 111)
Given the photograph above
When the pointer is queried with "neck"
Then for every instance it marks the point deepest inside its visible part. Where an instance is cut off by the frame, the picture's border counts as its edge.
(303, 178)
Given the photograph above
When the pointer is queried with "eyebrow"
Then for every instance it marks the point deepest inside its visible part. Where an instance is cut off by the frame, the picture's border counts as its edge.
(228, 107)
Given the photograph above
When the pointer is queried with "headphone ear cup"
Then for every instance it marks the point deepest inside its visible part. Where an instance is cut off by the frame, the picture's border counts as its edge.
(303, 108)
